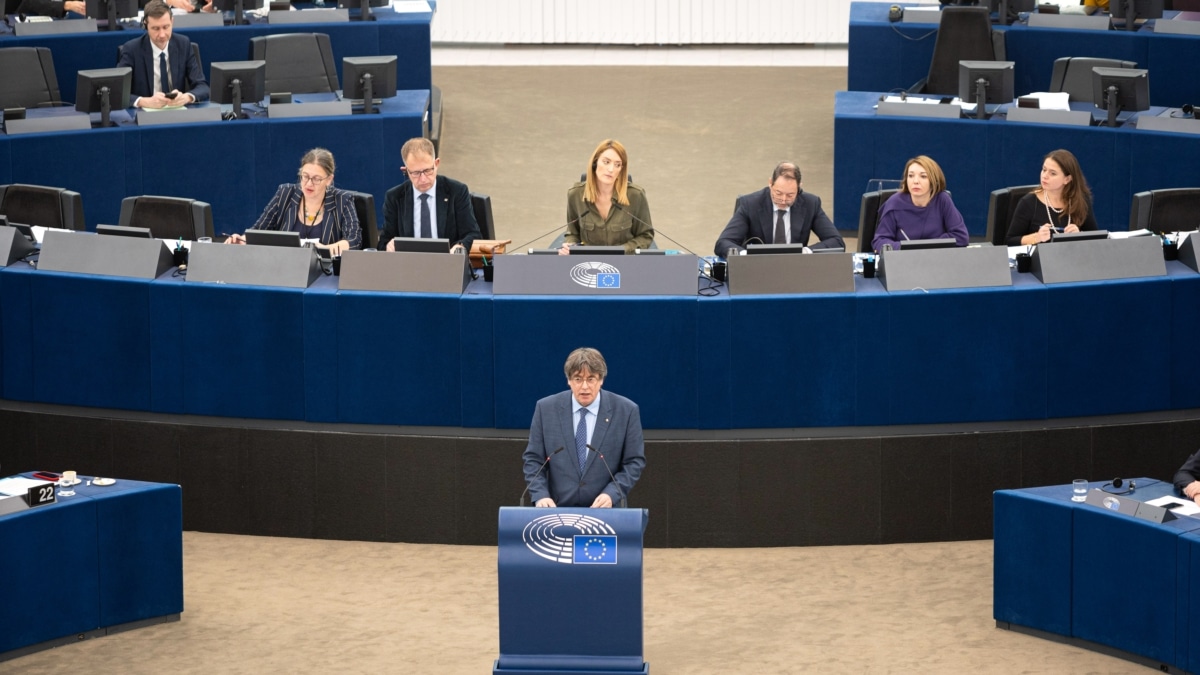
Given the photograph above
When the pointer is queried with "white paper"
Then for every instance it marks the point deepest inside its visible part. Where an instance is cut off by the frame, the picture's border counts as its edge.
(18, 485)
(1187, 508)
(410, 6)
(1129, 235)
(1051, 100)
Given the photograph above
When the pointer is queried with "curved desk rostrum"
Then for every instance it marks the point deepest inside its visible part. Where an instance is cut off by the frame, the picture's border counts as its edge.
(1026, 352)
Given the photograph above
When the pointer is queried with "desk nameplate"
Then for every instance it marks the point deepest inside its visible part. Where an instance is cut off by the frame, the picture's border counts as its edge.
(204, 113)
(791, 273)
(60, 27)
(973, 267)
(606, 275)
(84, 253)
(404, 272)
(253, 265)
(1099, 260)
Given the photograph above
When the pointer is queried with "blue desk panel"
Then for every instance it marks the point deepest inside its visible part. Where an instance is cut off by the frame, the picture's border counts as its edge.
(885, 56)
(235, 165)
(105, 557)
(980, 156)
(405, 35)
(856, 359)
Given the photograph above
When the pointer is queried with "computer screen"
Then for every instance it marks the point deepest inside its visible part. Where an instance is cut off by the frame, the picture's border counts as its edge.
(1078, 236)
(918, 244)
(992, 79)
(597, 250)
(419, 245)
(373, 74)
(273, 238)
(101, 10)
(1007, 11)
(1133, 10)
(103, 91)
(1118, 89)
(236, 82)
(125, 231)
(759, 249)
(238, 7)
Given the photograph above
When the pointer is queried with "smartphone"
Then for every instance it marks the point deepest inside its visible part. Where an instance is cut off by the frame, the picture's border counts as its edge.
(172, 94)
(1173, 505)
(46, 475)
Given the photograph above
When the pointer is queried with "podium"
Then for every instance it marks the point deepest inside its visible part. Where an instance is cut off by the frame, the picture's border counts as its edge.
(570, 584)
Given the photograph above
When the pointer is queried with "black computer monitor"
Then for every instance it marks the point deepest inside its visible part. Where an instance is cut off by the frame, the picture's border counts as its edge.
(237, 81)
(369, 78)
(597, 250)
(920, 244)
(238, 7)
(364, 7)
(1086, 235)
(1007, 11)
(1132, 10)
(125, 231)
(991, 81)
(1117, 89)
(102, 90)
(419, 245)
(273, 238)
(111, 11)
(759, 249)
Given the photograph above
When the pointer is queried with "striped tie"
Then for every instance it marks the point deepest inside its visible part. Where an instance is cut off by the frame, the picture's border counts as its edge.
(581, 439)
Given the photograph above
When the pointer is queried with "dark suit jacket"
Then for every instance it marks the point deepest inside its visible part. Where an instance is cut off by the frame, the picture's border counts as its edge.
(186, 75)
(754, 216)
(617, 436)
(1189, 472)
(455, 217)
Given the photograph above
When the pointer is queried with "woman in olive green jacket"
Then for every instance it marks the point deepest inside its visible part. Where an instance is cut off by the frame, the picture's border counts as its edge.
(606, 209)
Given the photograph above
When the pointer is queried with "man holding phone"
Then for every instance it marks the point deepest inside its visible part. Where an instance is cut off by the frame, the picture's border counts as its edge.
(166, 71)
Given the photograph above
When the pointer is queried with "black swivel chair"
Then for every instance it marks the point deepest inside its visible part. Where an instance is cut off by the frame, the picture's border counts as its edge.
(868, 217)
(29, 80)
(482, 206)
(298, 63)
(41, 205)
(1174, 210)
(364, 206)
(964, 34)
(1073, 74)
(168, 217)
(1001, 206)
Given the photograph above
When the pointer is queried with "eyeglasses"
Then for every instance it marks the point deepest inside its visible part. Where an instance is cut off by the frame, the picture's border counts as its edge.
(423, 173)
(311, 180)
(591, 380)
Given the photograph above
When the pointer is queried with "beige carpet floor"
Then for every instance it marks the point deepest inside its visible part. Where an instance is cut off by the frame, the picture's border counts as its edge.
(268, 605)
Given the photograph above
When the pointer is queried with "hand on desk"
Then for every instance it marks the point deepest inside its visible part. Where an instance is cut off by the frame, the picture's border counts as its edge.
(1192, 491)
(457, 248)
(235, 239)
(545, 503)
(566, 249)
(336, 248)
(161, 101)
(602, 502)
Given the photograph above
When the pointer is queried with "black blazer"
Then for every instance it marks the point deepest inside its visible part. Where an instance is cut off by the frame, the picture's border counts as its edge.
(754, 217)
(186, 74)
(455, 217)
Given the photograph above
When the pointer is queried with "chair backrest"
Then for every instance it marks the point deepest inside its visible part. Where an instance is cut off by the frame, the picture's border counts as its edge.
(1174, 210)
(1073, 74)
(29, 80)
(868, 217)
(482, 206)
(299, 63)
(364, 206)
(42, 205)
(1001, 205)
(168, 217)
(964, 34)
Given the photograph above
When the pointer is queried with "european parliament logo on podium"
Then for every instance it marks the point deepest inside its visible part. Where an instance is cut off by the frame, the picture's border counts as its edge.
(572, 539)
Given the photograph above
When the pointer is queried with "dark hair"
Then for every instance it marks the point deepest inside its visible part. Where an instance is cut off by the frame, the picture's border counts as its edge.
(586, 357)
(155, 9)
(1076, 194)
(785, 170)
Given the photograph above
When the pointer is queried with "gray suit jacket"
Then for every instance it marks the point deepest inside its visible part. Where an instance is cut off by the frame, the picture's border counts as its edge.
(617, 436)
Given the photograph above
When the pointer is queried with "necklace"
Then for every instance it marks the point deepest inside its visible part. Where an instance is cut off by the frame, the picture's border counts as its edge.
(1052, 218)
(310, 220)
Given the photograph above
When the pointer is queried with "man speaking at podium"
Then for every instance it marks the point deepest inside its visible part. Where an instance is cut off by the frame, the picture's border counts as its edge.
(585, 448)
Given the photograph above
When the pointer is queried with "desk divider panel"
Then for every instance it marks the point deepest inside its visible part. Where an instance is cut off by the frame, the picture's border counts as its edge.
(599, 275)
(13, 246)
(945, 268)
(253, 265)
(791, 273)
(1188, 251)
(1056, 263)
(404, 272)
(207, 113)
(104, 254)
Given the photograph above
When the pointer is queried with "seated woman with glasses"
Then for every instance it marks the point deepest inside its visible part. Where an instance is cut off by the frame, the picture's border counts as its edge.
(312, 207)
(606, 209)
(922, 209)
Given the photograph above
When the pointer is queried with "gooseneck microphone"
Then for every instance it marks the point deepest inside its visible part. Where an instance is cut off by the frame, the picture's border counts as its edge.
(556, 229)
(657, 230)
(610, 473)
(539, 472)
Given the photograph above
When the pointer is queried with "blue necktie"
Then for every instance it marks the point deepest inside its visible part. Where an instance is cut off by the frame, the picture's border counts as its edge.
(581, 439)
(162, 73)
(426, 226)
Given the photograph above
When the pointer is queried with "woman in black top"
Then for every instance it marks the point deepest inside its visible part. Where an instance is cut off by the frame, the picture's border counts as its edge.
(1062, 203)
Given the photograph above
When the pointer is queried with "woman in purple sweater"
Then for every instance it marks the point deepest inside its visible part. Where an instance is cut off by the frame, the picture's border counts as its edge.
(922, 209)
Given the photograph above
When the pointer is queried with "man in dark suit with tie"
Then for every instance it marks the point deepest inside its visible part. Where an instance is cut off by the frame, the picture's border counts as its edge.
(781, 213)
(571, 421)
(427, 205)
(166, 71)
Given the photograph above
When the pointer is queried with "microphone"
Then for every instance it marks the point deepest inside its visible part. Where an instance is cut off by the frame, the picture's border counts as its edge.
(539, 472)
(547, 234)
(610, 473)
(656, 230)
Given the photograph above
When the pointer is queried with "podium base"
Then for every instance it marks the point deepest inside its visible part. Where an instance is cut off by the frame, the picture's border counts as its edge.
(497, 670)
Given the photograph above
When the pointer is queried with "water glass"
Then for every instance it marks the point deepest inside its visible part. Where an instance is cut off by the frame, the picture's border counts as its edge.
(1079, 490)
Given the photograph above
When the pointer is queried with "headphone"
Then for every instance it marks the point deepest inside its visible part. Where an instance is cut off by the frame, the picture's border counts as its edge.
(1118, 484)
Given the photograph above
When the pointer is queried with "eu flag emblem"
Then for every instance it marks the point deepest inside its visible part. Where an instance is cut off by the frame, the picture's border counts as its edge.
(595, 549)
(608, 280)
